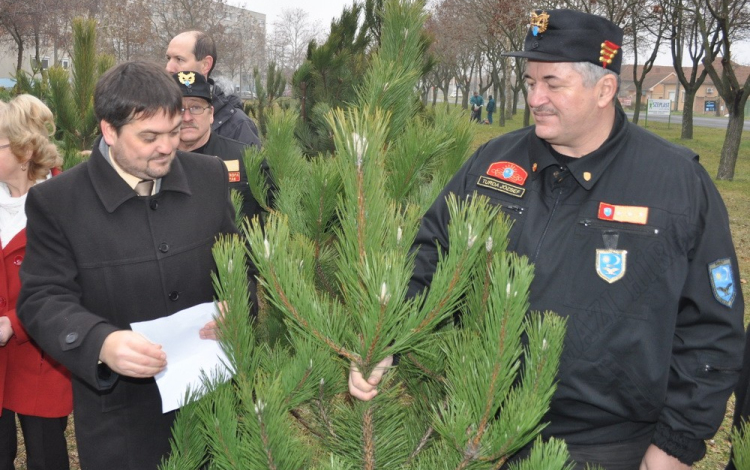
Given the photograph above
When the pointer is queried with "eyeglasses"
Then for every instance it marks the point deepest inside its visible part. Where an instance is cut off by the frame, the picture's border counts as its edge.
(194, 110)
(4, 146)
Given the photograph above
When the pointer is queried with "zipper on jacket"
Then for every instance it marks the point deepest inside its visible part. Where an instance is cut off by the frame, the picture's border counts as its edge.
(722, 370)
(513, 208)
(546, 226)
(620, 227)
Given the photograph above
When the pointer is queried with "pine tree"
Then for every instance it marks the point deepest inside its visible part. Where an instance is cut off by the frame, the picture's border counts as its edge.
(334, 261)
(72, 101)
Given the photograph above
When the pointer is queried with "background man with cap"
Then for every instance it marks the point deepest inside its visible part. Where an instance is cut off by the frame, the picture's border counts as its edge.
(102, 254)
(196, 136)
(630, 241)
(196, 51)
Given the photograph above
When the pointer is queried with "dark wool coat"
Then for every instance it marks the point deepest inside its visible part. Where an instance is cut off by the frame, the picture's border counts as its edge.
(100, 257)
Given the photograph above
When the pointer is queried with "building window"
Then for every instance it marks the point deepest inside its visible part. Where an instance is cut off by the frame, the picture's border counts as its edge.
(65, 63)
(709, 91)
(44, 63)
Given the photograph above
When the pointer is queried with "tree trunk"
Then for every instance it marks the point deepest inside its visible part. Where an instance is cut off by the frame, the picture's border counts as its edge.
(637, 109)
(526, 116)
(19, 61)
(731, 146)
(687, 115)
(526, 108)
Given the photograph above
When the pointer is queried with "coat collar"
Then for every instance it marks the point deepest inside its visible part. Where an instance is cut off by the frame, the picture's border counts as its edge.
(588, 169)
(113, 191)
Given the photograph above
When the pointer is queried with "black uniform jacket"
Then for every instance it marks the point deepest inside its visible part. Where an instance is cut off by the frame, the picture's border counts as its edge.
(100, 257)
(232, 152)
(625, 241)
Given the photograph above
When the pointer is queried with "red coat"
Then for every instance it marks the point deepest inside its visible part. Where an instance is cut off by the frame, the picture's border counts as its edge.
(31, 382)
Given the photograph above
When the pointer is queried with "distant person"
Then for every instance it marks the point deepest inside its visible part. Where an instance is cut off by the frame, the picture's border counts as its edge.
(490, 109)
(196, 51)
(196, 136)
(33, 386)
(476, 102)
(123, 237)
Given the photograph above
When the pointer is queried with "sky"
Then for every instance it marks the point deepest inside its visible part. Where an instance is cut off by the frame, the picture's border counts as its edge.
(321, 11)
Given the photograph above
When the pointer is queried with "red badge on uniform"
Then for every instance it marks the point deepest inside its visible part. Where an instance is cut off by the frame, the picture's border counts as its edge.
(508, 171)
(628, 214)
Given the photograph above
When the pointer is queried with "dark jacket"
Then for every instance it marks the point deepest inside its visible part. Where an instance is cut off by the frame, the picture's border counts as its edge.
(653, 352)
(99, 257)
(230, 119)
(491, 106)
(232, 152)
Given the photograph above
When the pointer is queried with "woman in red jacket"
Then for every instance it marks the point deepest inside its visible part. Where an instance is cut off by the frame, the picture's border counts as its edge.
(32, 385)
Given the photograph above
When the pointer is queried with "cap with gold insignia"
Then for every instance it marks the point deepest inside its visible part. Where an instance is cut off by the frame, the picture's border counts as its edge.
(572, 36)
(193, 84)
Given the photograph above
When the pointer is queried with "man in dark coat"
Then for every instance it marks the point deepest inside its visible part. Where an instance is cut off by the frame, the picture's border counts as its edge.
(196, 136)
(196, 51)
(630, 242)
(103, 252)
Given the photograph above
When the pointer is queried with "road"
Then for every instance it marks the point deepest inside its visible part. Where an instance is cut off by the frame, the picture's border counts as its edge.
(698, 121)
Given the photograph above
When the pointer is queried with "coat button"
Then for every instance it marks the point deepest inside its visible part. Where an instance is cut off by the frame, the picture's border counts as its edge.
(154, 204)
(71, 338)
(17, 260)
(164, 247)
(174, 296)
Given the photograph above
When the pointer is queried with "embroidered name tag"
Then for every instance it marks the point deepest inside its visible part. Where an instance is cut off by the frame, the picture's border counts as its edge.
(629, 214)
(503, 187)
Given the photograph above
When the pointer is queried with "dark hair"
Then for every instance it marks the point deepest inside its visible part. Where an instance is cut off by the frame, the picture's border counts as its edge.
(133, 89)
(205, 45)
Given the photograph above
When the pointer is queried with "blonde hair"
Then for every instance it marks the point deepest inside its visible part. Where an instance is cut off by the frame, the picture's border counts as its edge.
(29, 124)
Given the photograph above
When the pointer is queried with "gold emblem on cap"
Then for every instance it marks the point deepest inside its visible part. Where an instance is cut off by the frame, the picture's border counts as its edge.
(186, 79)
(533, 167)
(587, 176)
(608, 53)
(539, 22)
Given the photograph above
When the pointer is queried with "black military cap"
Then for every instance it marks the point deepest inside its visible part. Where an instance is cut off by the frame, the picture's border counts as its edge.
(193, 84)
(572, 36)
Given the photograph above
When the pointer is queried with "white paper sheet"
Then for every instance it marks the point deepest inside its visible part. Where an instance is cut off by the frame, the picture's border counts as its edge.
(187, 354)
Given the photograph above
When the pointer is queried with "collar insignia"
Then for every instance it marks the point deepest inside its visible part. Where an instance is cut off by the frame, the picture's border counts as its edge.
(508, 171)
(186, 79)
(722, 281)
(608, 52)
(611, 264)
(539, 22)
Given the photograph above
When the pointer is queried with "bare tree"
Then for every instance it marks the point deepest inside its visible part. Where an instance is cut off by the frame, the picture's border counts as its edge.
(443, 52)
(125, 31)
(687, 44)
(731, 17)
(292, 32)
(17, 18)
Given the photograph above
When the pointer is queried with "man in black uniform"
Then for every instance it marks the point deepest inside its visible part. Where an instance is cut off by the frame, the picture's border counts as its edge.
(196, 136)
(631, 243)
(196, 50)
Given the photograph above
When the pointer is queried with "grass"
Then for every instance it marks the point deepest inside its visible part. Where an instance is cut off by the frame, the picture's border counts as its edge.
(707, 143)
